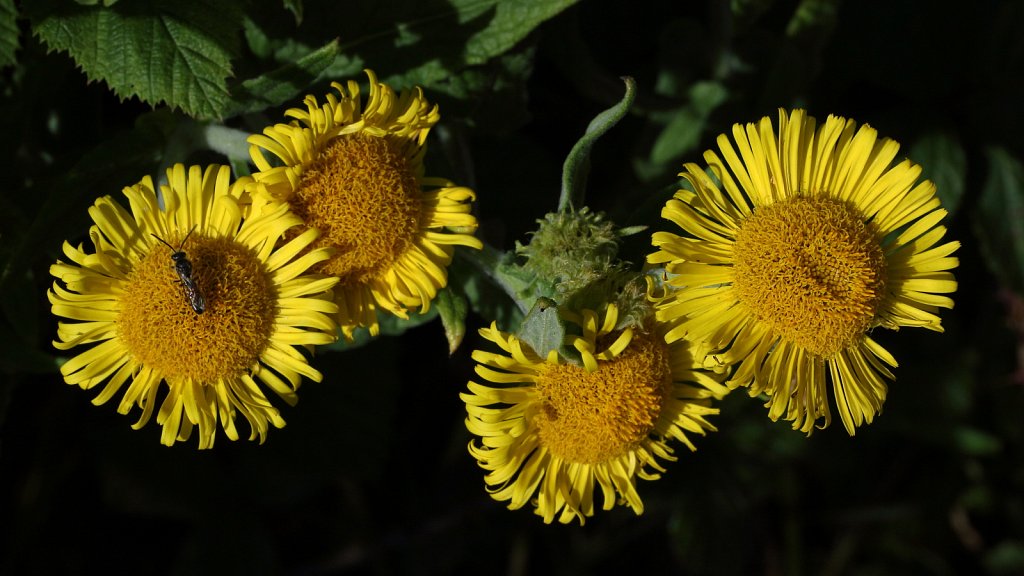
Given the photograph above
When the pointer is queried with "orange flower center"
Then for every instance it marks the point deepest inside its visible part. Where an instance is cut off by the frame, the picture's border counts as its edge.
(595, 417)
(160, 328)
(365, 198)
(812, 270)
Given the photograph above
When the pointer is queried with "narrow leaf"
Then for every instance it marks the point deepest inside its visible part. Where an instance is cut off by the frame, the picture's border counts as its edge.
(452, 307)
(577, 164)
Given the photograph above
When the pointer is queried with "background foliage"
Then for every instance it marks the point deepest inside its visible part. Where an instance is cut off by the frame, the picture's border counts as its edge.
(371, 475)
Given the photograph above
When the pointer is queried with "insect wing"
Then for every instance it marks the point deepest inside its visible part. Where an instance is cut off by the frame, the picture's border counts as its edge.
(195, 298)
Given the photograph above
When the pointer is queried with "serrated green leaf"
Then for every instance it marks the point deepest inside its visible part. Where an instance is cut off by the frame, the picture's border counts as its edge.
(176, 52)
(543, 329)
(944, 162)
(999, 219)
(282, 85)
(452, 307)
(8, 33)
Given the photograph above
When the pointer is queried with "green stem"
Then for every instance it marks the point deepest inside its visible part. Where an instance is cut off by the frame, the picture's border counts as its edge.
(493, 264)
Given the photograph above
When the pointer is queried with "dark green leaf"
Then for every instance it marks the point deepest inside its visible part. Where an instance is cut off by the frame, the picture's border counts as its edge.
(119, 162)
(813, 14)
(683, 129)
(176, 52)
(484, 296)
(389, 326)
(282, 85)
(1005, 558)
(8, 32)
(452, 307)
(20, 326)
(460, 33)
(944, 162)
(975, 442)
(999, 221)
(519, 284)
(497, 89)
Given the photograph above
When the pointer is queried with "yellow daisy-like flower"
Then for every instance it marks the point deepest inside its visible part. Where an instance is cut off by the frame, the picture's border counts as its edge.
(216, 322)
(356, 174)
(806, 242)
(554, 429)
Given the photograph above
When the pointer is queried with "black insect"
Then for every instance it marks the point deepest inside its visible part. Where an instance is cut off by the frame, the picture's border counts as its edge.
(184, 270)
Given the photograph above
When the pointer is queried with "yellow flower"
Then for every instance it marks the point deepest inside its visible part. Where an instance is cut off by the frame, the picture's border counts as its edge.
(554, 429)
(804, 244)
(356, 174)
(130, 301)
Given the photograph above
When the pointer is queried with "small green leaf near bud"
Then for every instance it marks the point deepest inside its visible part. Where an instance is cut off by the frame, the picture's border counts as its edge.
(543, 329)
(452, 307)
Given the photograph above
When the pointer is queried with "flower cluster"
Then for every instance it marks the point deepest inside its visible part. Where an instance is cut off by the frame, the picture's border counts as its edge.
(205, 293)
(791, 246)
(788, 253)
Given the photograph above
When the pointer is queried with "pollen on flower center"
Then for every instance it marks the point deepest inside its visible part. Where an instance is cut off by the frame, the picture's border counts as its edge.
(593, 417)
(160, 328)
(364, 197)
(812, 270)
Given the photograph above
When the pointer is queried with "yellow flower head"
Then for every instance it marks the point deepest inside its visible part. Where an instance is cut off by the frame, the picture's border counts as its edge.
(356, 174)
(803, 244)
(217, 323)
(549, 431)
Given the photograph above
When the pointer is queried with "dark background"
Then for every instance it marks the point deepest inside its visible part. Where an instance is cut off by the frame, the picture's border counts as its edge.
(371, 474)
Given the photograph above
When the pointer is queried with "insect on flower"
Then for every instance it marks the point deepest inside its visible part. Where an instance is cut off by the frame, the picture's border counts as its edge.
(183, 268)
